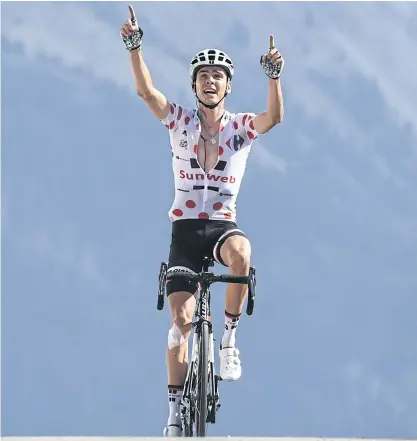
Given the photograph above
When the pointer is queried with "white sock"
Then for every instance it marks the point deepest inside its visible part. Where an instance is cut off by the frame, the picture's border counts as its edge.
(231, 322)
(174, 400)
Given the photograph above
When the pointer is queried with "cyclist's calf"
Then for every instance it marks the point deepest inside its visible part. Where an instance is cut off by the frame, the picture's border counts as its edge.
(182, 305)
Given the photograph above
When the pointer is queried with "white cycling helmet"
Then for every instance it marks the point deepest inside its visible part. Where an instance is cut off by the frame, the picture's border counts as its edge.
(211, 57)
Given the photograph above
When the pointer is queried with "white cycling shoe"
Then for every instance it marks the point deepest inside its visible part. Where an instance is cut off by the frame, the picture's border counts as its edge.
(173, 431)
(230, 368)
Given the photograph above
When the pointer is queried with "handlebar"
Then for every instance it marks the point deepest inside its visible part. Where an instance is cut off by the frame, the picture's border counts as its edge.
(207, 278)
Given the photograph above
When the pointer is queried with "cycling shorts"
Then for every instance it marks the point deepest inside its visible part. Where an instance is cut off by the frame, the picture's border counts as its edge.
(191, 241)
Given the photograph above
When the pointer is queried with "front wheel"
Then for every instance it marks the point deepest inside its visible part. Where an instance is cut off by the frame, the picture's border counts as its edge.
(203, 380)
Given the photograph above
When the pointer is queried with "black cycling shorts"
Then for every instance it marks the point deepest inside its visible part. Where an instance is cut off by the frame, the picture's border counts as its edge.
(193, 239)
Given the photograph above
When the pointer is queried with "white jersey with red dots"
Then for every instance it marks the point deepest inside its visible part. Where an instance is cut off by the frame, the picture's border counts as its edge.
(211, 195)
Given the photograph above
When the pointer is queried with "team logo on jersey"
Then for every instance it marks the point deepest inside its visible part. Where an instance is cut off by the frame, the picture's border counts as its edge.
(210, 177)
(183, 140)
(237, 142)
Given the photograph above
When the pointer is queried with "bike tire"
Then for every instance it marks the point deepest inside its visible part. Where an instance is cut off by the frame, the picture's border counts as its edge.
(203, 381)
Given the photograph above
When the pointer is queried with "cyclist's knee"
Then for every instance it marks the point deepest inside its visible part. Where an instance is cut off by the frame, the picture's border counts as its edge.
(239, 259)
(236, 253)
(182, 308)
(182, 312)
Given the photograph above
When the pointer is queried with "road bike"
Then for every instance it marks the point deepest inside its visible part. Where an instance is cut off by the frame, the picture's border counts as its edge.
(200, 399)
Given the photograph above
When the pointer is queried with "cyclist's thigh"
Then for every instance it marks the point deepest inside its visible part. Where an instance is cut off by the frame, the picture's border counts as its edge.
(184, 255)
(181, 292)
(219, 233)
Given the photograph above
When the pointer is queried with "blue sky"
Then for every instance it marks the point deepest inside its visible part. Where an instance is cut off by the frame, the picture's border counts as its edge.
(329, 201)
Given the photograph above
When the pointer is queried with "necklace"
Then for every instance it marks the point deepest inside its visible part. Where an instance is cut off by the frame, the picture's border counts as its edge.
(212, 137)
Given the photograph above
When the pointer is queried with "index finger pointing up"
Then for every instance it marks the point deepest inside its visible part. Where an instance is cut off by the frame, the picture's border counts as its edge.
(132, 14)
(271, 42)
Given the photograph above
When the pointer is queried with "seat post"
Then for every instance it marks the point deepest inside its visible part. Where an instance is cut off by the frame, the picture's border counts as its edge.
(207, 263)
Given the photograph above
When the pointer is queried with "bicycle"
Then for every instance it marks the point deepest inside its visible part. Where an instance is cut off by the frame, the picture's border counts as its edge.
(200, 399)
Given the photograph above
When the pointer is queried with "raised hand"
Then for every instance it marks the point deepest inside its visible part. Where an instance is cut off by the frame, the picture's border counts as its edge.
(131, 33)
(272, 62)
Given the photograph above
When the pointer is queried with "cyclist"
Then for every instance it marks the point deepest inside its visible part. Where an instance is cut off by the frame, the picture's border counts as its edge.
(210, 147)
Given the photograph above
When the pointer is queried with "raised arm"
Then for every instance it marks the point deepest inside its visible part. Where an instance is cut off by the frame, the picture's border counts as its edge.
(132, 37)
(272, 64)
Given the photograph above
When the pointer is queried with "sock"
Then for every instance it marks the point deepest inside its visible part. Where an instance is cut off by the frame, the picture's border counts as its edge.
(174, 400)
(231, 322)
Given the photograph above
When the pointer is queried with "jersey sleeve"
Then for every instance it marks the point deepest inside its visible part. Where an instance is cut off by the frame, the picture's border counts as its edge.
(246, 129)
(175, 114)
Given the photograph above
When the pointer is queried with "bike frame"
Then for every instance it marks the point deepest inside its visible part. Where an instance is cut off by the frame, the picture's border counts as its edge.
(200, 400)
